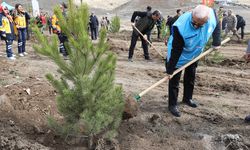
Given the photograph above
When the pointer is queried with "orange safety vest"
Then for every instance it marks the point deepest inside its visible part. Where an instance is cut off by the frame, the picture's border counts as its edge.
(55, 26)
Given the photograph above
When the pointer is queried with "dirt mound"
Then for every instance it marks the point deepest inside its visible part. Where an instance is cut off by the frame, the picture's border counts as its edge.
(234, 62)
(24, 110)
(220, 84)
(158, 74)
(16, 142)
(117, 48)
(122, 35)
(231, 63)
(29, 95)
(233, 142)
(231, 87)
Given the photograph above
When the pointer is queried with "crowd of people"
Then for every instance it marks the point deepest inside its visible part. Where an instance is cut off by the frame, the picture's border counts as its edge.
(14, 23)
(232, 22)
(94, 25)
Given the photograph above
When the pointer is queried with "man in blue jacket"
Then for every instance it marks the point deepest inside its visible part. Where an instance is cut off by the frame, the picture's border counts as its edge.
(191, 32)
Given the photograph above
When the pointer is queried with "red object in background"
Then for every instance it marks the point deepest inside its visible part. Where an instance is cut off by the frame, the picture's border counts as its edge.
(43, 19)
(208, 2)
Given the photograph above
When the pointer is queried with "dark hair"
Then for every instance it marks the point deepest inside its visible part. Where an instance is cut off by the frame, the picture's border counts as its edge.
(178, 11)
(64, 5)
(17, 5)
(156, 13)
(221, 7)
(149, 8)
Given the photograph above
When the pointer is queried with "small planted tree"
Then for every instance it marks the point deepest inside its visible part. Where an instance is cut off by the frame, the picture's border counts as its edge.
(88, 99)
(217, 57)
(115, 24)
(163, 29)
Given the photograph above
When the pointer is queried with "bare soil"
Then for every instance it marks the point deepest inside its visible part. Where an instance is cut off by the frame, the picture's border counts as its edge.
(222, 91)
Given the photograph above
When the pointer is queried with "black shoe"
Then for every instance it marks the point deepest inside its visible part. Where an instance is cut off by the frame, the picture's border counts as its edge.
(174, 111)
(148, 59)
(190, 103)
(247, 119)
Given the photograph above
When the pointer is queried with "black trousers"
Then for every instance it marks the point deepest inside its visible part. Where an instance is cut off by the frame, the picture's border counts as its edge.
(173, 86)
(50, 29)
(149, 36)
(134, 39)
(158, 32)
(93, 33)
(242, 31)
(63, 38)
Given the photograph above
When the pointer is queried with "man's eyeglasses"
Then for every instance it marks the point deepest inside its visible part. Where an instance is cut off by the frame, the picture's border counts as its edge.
(197, 25)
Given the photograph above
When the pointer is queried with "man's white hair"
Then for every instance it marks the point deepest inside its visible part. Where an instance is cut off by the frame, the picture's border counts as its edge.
(201, 11)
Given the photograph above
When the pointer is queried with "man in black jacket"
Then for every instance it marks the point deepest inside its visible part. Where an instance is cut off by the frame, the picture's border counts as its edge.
(241, 23)
(172, 20)
(144, 25)
(149, 11)
(93, 23)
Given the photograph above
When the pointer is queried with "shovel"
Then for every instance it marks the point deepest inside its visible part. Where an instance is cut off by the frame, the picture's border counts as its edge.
(147, 41)
(131, 107)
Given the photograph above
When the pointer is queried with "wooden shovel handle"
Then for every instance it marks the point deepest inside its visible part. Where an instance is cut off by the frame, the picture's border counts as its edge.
(147, 41)
(180, 69)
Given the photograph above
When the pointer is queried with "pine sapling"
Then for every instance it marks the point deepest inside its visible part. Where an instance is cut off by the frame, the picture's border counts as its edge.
(88, 99)
(115, 24)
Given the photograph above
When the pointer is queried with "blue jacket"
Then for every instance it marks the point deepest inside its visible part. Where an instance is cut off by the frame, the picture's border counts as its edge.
(195, 39)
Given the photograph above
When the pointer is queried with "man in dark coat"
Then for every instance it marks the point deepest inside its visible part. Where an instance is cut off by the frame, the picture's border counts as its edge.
(149, 11)
(172, 20)
(159, 27)
(144, 25)
(93, 23)
(241, 23)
